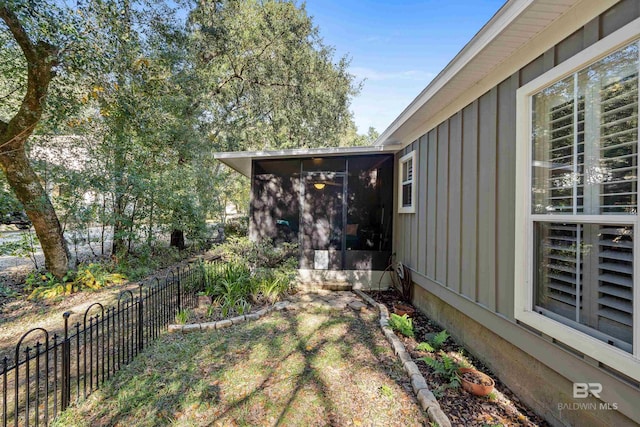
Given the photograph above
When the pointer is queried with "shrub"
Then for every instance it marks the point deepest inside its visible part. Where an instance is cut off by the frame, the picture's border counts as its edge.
(262, 254)
(237, 227)
(87, 277)
(250, 273)
(269, 285)
(402, 324)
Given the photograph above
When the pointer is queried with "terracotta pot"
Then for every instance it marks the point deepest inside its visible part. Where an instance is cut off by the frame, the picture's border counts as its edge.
(482, 386)
(402, 309)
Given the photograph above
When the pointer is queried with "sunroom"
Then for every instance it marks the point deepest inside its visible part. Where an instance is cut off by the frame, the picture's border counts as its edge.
(337, 204)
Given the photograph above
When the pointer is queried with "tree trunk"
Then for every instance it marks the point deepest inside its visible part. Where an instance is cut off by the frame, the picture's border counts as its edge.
(177, 239)
(119, 227)
(41, 58)
(27, 188)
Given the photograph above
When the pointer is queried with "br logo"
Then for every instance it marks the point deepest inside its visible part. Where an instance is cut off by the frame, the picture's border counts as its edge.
(583, 390)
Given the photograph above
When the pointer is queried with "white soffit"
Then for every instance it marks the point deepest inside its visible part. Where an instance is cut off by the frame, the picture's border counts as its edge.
(511, 29)
(240, 161)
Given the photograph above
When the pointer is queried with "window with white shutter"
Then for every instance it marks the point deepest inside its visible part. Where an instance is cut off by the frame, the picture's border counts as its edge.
(582, 209)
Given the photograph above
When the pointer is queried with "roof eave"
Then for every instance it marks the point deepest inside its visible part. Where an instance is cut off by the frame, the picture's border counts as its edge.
(463, 75)
(240, 161)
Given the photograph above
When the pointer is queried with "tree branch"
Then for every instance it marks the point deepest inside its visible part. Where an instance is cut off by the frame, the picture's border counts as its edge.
(19, 33)
(41, 58)
(7, 96)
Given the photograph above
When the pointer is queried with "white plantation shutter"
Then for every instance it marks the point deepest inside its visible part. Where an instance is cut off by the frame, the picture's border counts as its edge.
(615, 282)
(585, 162)
(619, 145)
(561, 153)
(593, 286)
(560, 267)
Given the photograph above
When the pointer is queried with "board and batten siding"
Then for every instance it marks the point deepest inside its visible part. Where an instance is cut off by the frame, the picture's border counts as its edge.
(460, 242)
(461, 235)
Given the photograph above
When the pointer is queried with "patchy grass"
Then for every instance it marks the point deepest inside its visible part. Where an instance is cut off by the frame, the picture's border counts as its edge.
(310, 368)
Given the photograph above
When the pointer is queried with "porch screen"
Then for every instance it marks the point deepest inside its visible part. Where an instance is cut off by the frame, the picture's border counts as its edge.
(275, 208)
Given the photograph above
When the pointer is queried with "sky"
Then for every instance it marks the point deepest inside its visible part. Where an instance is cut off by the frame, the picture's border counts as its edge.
(397, 47)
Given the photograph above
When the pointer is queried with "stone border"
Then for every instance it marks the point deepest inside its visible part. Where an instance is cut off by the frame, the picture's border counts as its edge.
(337, 304)
(221, 324)
(426, 398)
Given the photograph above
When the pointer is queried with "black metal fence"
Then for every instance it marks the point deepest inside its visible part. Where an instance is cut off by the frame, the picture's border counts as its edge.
(45, 377)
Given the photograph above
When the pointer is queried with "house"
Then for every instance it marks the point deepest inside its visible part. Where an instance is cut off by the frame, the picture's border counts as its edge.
(515, 204)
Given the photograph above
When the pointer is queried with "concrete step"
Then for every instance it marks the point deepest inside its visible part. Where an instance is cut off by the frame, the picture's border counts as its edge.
(325, 286)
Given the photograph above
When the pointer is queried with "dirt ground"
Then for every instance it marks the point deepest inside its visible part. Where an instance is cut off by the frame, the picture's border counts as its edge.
(502, 408)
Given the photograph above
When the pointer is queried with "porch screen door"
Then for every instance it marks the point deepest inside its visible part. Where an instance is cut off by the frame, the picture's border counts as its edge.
(322, 219)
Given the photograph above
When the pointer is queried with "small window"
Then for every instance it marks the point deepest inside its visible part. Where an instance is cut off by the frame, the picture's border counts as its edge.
(407, 188)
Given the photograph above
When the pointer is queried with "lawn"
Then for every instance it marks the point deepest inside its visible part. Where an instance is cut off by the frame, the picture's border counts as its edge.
(308, 368)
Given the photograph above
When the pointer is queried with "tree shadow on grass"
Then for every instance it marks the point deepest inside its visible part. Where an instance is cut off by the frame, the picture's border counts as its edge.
(285, 369)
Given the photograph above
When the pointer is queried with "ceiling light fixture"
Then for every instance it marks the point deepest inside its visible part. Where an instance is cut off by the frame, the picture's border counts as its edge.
(319, 185)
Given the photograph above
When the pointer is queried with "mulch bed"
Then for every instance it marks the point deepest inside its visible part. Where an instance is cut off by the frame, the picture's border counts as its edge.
(462, 408)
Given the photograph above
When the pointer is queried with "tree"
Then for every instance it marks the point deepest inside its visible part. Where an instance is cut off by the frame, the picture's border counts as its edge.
(31, 34)
(153, 98)
(272, 83)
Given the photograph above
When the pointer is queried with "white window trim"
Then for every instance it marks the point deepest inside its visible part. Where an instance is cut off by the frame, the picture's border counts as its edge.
(404, 159)
(627, 363)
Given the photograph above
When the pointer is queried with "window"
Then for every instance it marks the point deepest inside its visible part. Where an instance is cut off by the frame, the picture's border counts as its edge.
(578, 141)
(407, 190)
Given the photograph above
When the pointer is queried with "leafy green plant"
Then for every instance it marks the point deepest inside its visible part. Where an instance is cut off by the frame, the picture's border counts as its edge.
(183, 316)
(237, 227)
(446, 367)
(425, 346)
(434, 343)
(234, 305)
(251, 273)
(439, 339)
(402, 324)
(88, 277)
(386, 391)
(6, 291)
(261, 254)
(242, 306)
(492, 396)
(95, 276)
(270, 284)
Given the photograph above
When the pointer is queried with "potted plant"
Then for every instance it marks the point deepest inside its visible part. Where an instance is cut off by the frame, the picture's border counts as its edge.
(475, 382)
(401, 309)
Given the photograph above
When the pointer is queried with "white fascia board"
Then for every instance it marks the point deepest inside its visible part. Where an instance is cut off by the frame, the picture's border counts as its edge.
(240, 161)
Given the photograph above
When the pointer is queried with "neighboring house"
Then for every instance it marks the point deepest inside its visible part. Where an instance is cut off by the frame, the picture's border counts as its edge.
(66, 152)
(515, 204)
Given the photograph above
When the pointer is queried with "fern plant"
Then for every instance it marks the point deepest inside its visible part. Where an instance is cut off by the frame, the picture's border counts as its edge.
(434, 343)
(425, 346)
(446, 367)
(439, 339)
(402, 324)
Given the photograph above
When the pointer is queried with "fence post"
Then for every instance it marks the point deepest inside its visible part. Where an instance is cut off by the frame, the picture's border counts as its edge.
(66, 364)
(140, 319)
(179, 291)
